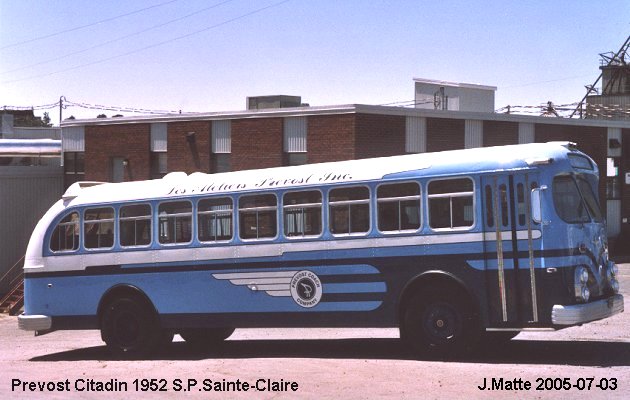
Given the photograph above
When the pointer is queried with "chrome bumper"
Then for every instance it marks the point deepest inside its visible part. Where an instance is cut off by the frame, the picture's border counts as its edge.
(34, 322)
(582, 313)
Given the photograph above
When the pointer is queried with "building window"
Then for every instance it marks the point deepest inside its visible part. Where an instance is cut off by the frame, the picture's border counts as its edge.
(98, 227)
(175, 222)
(74, 167)
(215, 219)
(302, 213)
(158, 165)
(451, 203)
(349, 210)
(135, 225)
(257, 216)
(398, 207)
(221, 162)
(295, 158)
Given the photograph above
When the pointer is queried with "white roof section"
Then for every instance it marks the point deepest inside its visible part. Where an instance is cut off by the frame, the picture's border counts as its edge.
(179, 184)
(454, 84)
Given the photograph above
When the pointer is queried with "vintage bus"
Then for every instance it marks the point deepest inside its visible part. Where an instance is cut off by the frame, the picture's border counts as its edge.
(451, 247)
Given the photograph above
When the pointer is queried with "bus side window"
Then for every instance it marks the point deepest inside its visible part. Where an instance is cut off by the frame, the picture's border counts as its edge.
(65, 237)
(489, 207)
(175, 222)
(257, 216)
(520, 202)
(398, 206)
(349, 210)
(135, 225)
(214, 219)
(451, 203)
(98, 228)
(302, 213)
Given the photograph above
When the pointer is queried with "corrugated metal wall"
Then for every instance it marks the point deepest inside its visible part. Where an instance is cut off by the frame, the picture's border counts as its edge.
(222, 136)
(159, 134)
(295, 135)
(473, 133)
(25, 195)
(416, 135)
(73, 138)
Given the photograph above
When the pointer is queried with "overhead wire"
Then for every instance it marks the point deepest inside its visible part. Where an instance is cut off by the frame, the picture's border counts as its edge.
(256, 11)
(116, 39)
(76, 28)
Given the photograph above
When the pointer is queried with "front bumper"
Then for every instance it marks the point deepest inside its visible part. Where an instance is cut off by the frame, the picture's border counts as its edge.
(582, 313)
(34, 322)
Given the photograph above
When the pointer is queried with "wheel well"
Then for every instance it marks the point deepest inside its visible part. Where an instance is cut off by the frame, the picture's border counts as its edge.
(436, 280)
(124, 291)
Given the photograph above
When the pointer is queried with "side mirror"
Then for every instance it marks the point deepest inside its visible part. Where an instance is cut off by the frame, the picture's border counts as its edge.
(536, 201)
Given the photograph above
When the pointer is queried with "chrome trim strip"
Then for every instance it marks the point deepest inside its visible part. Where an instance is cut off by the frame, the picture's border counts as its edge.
(499, 238)
(530, 249)
(587, 312)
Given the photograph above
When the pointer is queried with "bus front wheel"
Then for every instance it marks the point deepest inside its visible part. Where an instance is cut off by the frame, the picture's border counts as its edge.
(439, 322)
(128, 327)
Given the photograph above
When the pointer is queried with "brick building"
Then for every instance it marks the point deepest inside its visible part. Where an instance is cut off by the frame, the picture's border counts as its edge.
(136, 148)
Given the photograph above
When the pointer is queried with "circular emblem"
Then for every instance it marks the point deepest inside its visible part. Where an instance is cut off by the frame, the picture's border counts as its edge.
(306, 289)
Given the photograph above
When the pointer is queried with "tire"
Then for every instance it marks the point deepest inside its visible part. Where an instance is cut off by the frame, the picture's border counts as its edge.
(129, 327)
(205, 338)
(439, 322)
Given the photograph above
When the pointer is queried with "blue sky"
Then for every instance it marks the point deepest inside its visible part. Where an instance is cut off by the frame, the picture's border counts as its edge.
(329, 52)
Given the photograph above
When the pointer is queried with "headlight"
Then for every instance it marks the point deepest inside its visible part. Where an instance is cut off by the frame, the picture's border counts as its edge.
(582, 294)
(611, 275)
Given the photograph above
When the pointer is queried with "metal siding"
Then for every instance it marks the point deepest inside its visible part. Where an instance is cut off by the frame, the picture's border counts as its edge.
(473, 133)
(73, 138)
(416, 135)
(295, 134)
(526, 132)
(221, 136)
(159, 134)
(26, 193)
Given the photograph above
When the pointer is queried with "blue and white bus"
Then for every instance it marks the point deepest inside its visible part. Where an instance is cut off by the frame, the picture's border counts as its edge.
(449, 247)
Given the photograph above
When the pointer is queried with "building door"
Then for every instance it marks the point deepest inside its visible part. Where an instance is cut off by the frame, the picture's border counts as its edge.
(118, 169)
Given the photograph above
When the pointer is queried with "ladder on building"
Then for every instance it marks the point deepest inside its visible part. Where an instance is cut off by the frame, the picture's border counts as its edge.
(13, 300)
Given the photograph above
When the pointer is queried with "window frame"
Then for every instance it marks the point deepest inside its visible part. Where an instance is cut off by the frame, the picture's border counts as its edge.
(120, 219)
(368, 201)
(198, 214)
(192, 222)
(398, 200)
(264, 208)
(85, 221)
(308, 205)
(450, 196)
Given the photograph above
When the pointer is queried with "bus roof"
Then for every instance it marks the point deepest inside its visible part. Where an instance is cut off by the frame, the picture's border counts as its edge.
(453, 162)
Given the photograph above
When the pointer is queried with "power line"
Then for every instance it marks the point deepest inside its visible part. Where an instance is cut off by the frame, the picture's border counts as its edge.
(116, 39)
(256, 11)
(76, 28)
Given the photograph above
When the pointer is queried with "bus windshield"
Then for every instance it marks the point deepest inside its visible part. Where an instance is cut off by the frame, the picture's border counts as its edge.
(575, 200)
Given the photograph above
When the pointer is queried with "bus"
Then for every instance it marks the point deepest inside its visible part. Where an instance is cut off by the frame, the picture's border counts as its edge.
(451, 247)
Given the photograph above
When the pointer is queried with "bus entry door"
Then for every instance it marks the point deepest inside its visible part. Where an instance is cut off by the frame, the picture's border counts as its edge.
(508, 238)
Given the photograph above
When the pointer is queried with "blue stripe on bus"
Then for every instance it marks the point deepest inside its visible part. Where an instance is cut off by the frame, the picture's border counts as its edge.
(362, 287)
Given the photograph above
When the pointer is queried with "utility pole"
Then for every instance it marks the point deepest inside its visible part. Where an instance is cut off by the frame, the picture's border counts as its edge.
(61, 99)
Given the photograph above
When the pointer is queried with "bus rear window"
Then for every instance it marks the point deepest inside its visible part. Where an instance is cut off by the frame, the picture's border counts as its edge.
(65, 237)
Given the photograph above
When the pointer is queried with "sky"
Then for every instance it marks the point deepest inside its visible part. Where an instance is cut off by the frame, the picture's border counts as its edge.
(205, 56)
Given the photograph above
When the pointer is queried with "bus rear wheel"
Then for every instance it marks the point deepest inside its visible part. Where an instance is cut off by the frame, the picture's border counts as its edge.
(128, 327)
(205, 338)
(440, 323)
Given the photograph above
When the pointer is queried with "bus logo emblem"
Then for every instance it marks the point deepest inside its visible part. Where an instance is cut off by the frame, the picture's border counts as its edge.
(306, 289)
